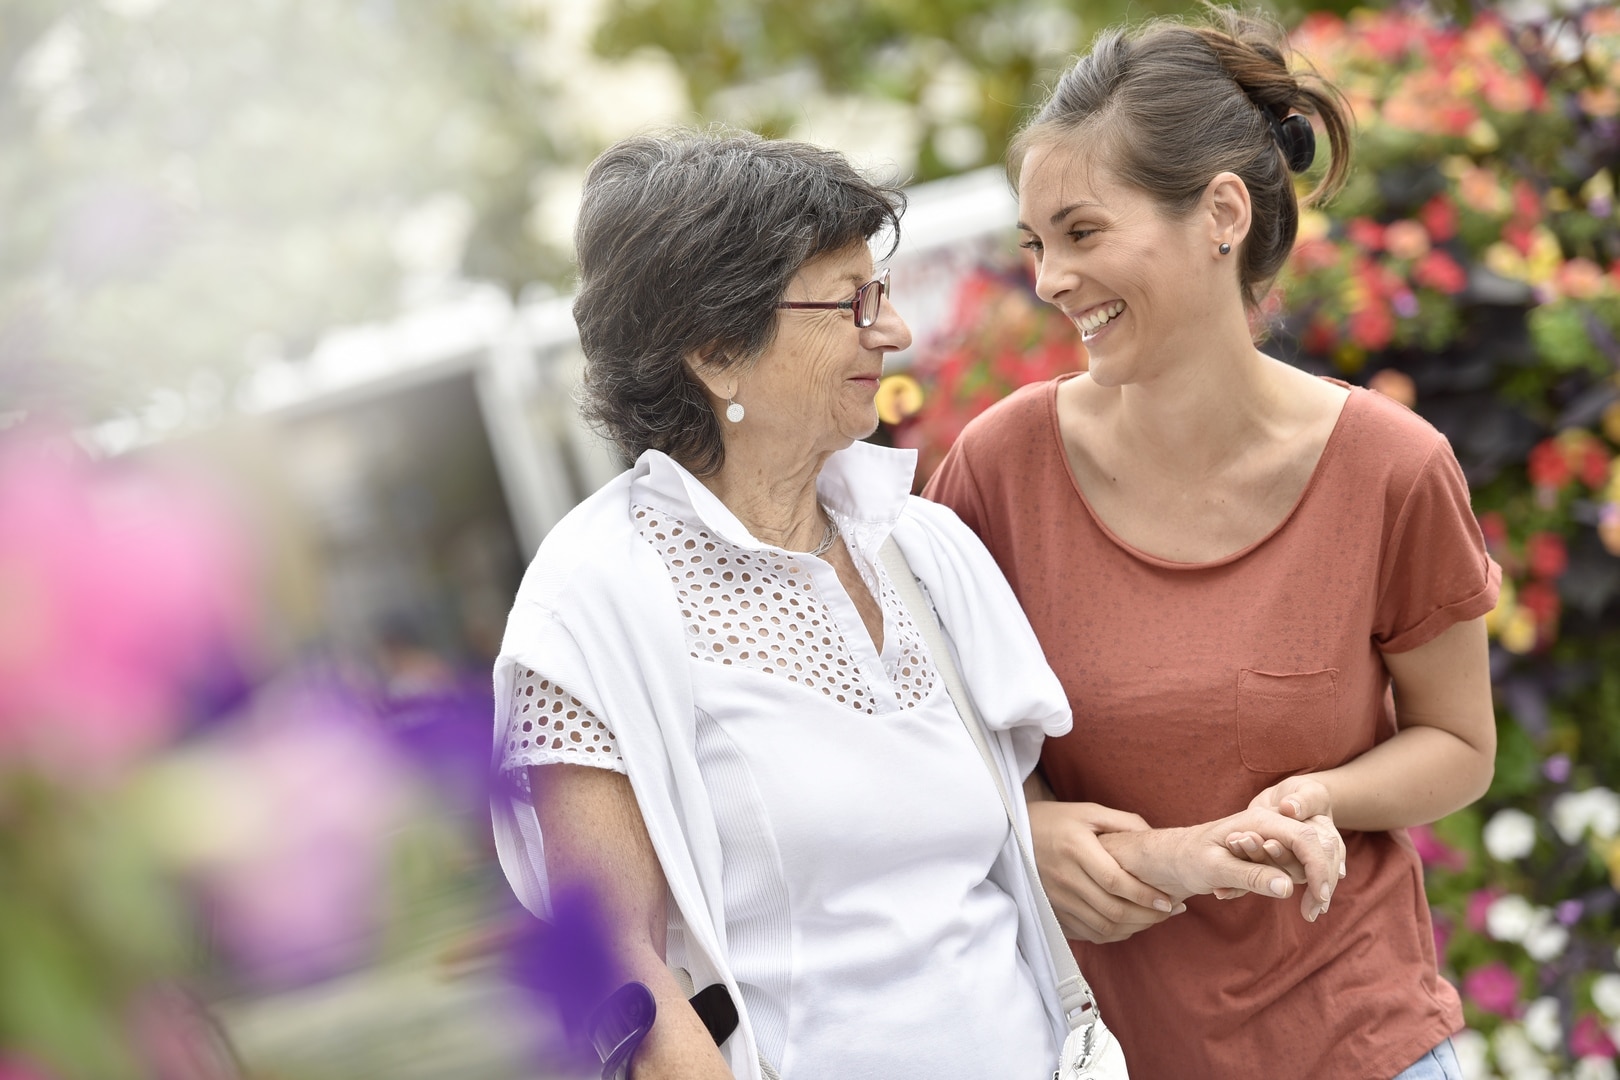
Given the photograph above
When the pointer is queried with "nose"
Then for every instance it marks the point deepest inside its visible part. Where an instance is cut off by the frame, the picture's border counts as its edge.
(889, 333)
(1053, 279)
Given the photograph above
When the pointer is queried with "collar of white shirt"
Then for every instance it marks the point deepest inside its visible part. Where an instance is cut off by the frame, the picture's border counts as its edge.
(864, 486)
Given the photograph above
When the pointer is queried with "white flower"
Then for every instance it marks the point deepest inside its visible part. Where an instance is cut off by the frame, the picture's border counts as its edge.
(1596, 808)
(1606, 995)
(1594, 1068)
(1541, 1024)
(1510, 834)
(1546, 941)
(1472, 1049)
(1510, 918)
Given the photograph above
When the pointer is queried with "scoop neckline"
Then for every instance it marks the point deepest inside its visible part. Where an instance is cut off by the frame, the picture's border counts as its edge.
(1137, 553)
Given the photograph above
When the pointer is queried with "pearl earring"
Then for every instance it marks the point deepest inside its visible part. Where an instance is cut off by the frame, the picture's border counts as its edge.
(1226, 249)
(734, 411)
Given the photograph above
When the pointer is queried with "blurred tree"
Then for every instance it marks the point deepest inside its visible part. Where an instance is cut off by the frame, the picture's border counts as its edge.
(967, 70)
(193, 185)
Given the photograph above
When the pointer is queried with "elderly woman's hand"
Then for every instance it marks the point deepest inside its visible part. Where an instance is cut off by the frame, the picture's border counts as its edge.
(1302, 798)
(1210, 858)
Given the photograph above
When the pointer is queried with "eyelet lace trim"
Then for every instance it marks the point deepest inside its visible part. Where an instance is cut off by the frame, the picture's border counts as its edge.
(754, 609)
(550, 727)
(759, 609)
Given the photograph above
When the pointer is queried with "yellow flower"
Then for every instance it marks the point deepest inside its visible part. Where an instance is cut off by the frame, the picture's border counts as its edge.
(1600, 186)
(898, 396)
(1313, 225)
(1545, 256)
(1506, 602)
(1518, 634)
(1611, 856)
(1482, 137)
(1504, 260)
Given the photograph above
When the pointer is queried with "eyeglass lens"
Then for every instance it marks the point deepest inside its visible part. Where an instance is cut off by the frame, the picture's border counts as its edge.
(869, 301)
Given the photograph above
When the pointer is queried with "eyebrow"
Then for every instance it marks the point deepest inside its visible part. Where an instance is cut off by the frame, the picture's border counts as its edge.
(1057, 218)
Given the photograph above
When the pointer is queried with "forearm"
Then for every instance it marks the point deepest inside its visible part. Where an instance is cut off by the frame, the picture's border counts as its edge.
(679, 1047)
(1419, 775)
(1152, 856)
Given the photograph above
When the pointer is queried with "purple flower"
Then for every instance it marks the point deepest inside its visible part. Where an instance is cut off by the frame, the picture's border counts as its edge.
(566, 964)
(1569, 912)
(1556, 768)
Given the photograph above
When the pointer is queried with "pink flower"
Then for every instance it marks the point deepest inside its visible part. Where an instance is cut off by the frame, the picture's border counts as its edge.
(1434, 851)
(118, 586)
(1493, 988)
(1589, 1039)
(16, 1068)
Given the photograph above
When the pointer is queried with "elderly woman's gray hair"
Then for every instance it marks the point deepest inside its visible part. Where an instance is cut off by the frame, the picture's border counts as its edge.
(686, 242)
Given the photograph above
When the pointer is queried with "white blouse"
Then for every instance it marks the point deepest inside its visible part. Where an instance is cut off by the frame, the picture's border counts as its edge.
(857, 824)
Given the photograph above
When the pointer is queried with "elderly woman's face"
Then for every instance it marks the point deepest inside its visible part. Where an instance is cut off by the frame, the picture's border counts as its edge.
(816, 383)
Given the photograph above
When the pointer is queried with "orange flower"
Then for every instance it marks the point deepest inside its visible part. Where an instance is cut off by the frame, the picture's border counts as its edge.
(1580, 278)
(1406, 239)
(1395, 385)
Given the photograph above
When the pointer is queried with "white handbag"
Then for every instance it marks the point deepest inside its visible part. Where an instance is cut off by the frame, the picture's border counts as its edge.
(1090, 1052)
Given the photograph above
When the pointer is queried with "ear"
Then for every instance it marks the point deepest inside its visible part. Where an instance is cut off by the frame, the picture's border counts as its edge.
(1230, 212)
(708, 367)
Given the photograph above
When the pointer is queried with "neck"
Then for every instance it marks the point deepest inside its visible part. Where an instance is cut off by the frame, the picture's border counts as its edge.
(775, 500)
(1205, 411)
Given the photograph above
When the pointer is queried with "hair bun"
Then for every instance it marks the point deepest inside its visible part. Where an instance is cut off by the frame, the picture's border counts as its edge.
(1297, 139)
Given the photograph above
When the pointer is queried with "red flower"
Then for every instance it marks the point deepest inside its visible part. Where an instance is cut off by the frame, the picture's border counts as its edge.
(1546, 554)
(1372, 326)
(1439, 216)
(1493, 988)
(1435, 851)
(1494, 527)
(1321, 336)
(1548, 468)
(1526, 203)
(1589, 1039)
(1439, 271)
(1365, 233)
(1540, 600)
(1315, 254)
(1594, 465)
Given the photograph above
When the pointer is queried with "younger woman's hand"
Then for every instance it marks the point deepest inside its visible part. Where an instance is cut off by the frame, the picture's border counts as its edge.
(1095, 899)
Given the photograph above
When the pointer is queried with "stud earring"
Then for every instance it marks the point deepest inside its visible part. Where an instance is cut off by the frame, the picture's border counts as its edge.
(1226, 249)
(734, 411)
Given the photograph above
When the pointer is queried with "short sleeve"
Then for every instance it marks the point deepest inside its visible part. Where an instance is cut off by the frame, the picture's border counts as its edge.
(954, 485)
(1435, 572)
(550, 726)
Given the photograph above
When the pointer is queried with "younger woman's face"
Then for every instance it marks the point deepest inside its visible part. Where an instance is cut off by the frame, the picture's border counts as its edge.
(1137, 283)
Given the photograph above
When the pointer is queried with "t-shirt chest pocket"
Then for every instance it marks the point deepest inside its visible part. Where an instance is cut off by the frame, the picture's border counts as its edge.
(1286, 723)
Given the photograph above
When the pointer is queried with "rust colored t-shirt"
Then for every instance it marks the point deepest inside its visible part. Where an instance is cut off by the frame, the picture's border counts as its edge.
(1195, 686)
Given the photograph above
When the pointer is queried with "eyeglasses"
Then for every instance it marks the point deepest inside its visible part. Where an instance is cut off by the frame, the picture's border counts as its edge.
(868, 301)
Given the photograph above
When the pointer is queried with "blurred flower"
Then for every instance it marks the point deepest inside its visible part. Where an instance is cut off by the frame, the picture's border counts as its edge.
(1606, 995)
(1510, 918)
(1546, 940)
(1548, 466)
(16, 1068)
(1510, 835)
(1494, 988)
(1472, 1052)
(1568, 912)
(1434, 851)
(1589, 1039)
(898, 397)
(1546, 555)
(1478, 909)
(1574, 812)
(1406, 239)
(118, 586)
(1394, 384)
(1557, 768)
(567, 964)
(1516, 1056)
(1541, 1025)
(1594, 1067)
(284, 821)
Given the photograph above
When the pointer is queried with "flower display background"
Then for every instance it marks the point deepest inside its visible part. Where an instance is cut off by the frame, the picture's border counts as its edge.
(1471, 270)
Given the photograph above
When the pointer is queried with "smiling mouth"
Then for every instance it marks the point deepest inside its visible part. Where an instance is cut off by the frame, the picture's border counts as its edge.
(1098, 317)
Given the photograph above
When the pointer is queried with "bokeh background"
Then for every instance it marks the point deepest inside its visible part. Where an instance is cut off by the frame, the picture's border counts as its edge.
(286, 375)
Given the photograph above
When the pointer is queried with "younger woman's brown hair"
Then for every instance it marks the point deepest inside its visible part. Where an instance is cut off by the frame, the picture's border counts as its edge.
(1167, 106)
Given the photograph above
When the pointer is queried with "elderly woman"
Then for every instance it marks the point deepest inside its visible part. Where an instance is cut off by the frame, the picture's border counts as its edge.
(729, 722)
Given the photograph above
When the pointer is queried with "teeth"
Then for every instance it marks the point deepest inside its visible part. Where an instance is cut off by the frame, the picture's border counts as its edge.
(1093, 322)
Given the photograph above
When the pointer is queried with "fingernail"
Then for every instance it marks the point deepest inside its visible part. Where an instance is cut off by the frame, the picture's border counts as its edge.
(1341, 869)
(1326, 894)
(1179, 909)
(1279, 886)
(1164, 906)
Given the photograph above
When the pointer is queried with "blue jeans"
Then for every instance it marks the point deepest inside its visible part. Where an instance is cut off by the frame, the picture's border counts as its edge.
(1438, 1064)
